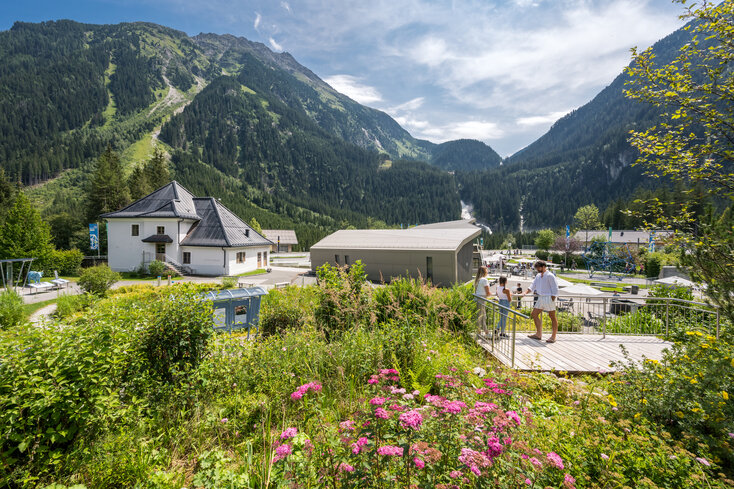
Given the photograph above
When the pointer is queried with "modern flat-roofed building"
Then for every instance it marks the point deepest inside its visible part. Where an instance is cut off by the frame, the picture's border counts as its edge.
(441, 253)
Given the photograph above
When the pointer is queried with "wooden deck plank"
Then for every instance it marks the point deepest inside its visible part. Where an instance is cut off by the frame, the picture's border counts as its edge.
(577, 352)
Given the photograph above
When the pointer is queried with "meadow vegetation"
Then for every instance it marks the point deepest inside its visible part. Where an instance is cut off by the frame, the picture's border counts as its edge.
(345, 386)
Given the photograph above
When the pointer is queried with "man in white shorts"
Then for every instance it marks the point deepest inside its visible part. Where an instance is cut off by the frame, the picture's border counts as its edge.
(546, 287)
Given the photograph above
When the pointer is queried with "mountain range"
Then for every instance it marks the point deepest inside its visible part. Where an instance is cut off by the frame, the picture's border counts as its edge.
(276, 142)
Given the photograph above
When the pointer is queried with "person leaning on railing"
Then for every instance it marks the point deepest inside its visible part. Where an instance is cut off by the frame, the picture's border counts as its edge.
(481, 288)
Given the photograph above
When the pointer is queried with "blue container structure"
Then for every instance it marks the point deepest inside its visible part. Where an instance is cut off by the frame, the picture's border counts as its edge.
(236, 309)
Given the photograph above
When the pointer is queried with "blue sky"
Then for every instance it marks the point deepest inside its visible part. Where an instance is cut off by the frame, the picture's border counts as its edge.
(501, 71)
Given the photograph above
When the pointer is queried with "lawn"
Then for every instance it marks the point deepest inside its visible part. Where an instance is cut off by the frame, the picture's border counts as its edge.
(259, 271)
(31, 308)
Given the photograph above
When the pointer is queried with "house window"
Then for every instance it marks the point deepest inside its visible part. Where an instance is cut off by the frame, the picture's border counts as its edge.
(336, 259)
(160, 248)
(135, 230)
(265, 258)
(187, 257)
(346, 260)
(247, 233)
(161, 230)
(429, 268)
(240, 257)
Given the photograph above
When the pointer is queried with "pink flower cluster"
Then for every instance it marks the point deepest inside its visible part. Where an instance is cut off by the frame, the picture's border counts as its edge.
(298, 394)
(386, 374)
(288, 433)
(378, 401)
(555, 460)
(412, 419)
(390, 451)
(357, 445)
(381, 413)
(453, 407)
(282, 452)
(474, 460)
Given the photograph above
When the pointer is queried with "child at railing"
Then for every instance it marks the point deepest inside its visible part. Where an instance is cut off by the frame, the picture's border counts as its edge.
(481, 288)
(504, 295)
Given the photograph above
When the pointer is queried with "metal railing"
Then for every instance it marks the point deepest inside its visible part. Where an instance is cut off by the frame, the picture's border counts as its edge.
(488, 332)
(596, 315)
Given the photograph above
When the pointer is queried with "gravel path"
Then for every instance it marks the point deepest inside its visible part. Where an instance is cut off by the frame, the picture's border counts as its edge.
(41, 314)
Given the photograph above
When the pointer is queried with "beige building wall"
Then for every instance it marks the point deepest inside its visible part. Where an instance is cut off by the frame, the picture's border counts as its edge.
(386, 264)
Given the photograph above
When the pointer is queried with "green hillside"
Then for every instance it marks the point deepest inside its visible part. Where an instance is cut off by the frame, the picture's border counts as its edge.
(238, 121)
(465, 154)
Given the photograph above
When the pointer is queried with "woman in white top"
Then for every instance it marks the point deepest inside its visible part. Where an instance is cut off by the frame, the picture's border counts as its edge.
(481, 288)
(505, 296)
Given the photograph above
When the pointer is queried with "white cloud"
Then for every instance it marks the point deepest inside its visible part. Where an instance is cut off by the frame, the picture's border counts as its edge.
(408, 106)
(536, 120)
(276, 47)
(479, 129)
(258, 19)
(353, 88)
(512, 63)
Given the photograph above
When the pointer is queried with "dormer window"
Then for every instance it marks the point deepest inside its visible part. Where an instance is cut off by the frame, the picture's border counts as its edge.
(247, 233)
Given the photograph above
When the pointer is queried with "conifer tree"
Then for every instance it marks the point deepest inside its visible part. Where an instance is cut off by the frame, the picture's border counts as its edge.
(156, 170)
(24, 234)
(107, 189)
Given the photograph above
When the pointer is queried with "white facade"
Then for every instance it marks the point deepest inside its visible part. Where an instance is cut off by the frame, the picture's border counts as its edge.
(127, 252)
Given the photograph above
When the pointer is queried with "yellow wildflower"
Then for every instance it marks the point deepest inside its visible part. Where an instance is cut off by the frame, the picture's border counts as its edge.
(680, 414)
(725, 395)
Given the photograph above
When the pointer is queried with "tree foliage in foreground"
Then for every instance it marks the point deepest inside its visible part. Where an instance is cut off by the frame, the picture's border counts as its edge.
(694, 142)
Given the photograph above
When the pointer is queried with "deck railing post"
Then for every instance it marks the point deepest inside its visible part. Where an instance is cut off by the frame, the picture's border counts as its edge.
(514, 330)
(604, 316)
(667, 316)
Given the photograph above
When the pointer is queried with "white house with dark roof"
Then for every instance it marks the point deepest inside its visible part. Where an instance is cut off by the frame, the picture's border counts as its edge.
(195, 235)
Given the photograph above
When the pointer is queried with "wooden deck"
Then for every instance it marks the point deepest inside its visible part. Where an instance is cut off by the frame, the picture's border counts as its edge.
(577, 352)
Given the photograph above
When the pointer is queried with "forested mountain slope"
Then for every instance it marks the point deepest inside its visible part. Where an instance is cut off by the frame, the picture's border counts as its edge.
(465, 154)
(584, 158)
(237, 119)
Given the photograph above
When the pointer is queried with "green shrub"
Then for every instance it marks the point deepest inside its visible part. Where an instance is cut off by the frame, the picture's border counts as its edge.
(98, 280)
(688, 391)
(454, 309)
(175, 340)
(229, 282)
(65, 262)
(343, 299)
(66, 305)
(404, 299)
(557, 258)
(655, 261)
(157, 268)
(542, 255)
(285, 310)
(12, 312)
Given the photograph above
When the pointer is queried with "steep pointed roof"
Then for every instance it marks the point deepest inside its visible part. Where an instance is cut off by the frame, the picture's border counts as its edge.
(171, 200)
(220, 227)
